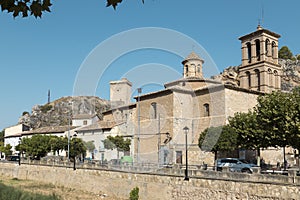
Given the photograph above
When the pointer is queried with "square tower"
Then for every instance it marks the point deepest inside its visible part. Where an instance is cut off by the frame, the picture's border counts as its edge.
(120, 92)
(260, 69)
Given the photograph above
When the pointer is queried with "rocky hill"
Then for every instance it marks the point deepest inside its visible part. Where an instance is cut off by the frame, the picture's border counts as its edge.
(58, 112)
(289, 79)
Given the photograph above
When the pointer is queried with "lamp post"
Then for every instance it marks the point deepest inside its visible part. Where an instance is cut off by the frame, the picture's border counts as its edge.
(74, 151)
(69, 126)
(19, 151)
(186, 176)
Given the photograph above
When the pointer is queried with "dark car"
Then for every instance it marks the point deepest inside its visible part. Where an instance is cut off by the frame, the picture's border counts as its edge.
(12, 158)
(234, 165)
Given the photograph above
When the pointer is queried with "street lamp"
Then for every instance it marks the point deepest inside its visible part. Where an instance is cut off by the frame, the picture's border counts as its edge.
(186, 177)
(20, 151)
(74, 151)
(69, 126)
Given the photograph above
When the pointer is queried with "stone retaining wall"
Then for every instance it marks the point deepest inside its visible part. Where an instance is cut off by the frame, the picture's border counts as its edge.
(202, 185)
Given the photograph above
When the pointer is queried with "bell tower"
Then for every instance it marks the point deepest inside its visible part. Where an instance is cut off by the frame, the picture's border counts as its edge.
(192, 66)
(260, 70)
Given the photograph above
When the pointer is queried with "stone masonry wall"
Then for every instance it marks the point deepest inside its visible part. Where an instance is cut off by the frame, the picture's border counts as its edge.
(202, 185)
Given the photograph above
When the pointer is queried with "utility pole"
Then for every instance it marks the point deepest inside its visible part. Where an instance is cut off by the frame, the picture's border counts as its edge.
(139, 126)
(48, 96)
(159, 141)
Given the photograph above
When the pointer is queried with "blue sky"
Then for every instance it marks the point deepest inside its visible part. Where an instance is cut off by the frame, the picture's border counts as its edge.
(41, 54)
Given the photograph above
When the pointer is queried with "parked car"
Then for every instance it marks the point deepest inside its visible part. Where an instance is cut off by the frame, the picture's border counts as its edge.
(234, 165)
(12, 158)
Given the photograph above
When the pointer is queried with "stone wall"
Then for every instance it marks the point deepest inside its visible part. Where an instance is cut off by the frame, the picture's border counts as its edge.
(203, 184)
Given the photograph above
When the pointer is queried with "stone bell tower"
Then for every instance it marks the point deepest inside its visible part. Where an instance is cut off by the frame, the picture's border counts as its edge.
(192, 66)
(260, 69)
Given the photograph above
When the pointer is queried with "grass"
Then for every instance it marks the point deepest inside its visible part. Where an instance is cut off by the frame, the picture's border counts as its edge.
(12, 193)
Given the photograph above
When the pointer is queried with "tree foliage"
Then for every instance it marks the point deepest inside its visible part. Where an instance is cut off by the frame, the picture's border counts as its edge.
(2, 135)
(221, 138)
(294, 139)
(90, 146)
(117, 142)
(58, 144)
(25, 7)
(35, 147)
(5, 149)
(77, 147)
(248, 131)
(274, 116)
(37, 7)
(285, 53)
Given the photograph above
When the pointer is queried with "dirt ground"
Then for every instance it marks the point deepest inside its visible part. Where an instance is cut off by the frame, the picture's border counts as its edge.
(49, 189)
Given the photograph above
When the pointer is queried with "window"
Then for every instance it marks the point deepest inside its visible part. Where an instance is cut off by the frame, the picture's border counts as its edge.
(154, 110)
(258, 79)
(199, 69)
(186, 70)
(249, 51)
(270, 77)
(178, 157)
(85, 122)
(248, 75)
(273, 49)
(206, 110)
(276, 77)
(257, 45)
(267, 46)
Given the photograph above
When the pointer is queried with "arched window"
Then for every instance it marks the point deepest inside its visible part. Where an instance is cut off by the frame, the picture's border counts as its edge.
(248, 75)
(154, 110)
(267, 47)
(273, 49)
(186, 70)
(199, 68)
(249, 51)
(206, 110)
(257, 45)
(276, 77)
(270, 77)
(257, 78)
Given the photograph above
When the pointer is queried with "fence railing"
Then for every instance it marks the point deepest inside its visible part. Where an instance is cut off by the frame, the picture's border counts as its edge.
(146, 167)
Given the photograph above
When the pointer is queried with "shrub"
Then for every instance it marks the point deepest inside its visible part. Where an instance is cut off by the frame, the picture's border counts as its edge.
(45, 108)
(134, 194)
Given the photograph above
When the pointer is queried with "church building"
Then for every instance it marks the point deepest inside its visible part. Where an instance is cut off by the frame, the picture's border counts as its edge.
(158, 121)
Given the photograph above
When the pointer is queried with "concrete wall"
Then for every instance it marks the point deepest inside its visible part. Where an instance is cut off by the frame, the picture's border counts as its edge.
(202, 185)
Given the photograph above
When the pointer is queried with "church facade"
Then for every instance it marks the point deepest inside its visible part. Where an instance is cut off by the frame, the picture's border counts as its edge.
(157, 120)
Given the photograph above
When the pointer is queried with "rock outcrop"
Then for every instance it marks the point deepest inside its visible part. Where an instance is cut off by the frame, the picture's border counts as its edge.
(58, 112)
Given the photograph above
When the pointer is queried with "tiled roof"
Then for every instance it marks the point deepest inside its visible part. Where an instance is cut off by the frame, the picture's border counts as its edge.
(84, 116)
(193, 56)
(100, 125)
(49, 129)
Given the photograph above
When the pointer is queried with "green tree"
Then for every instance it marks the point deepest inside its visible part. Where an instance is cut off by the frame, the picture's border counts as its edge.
(77, 147)
(294, 139)
(117, 142)
(2, 135)
(90, 146)
(285, 53)
(58, 144)
(35, 147)
(36, 7)
(221, 138)
(250, 135)
(275, 114)
(6, 149)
